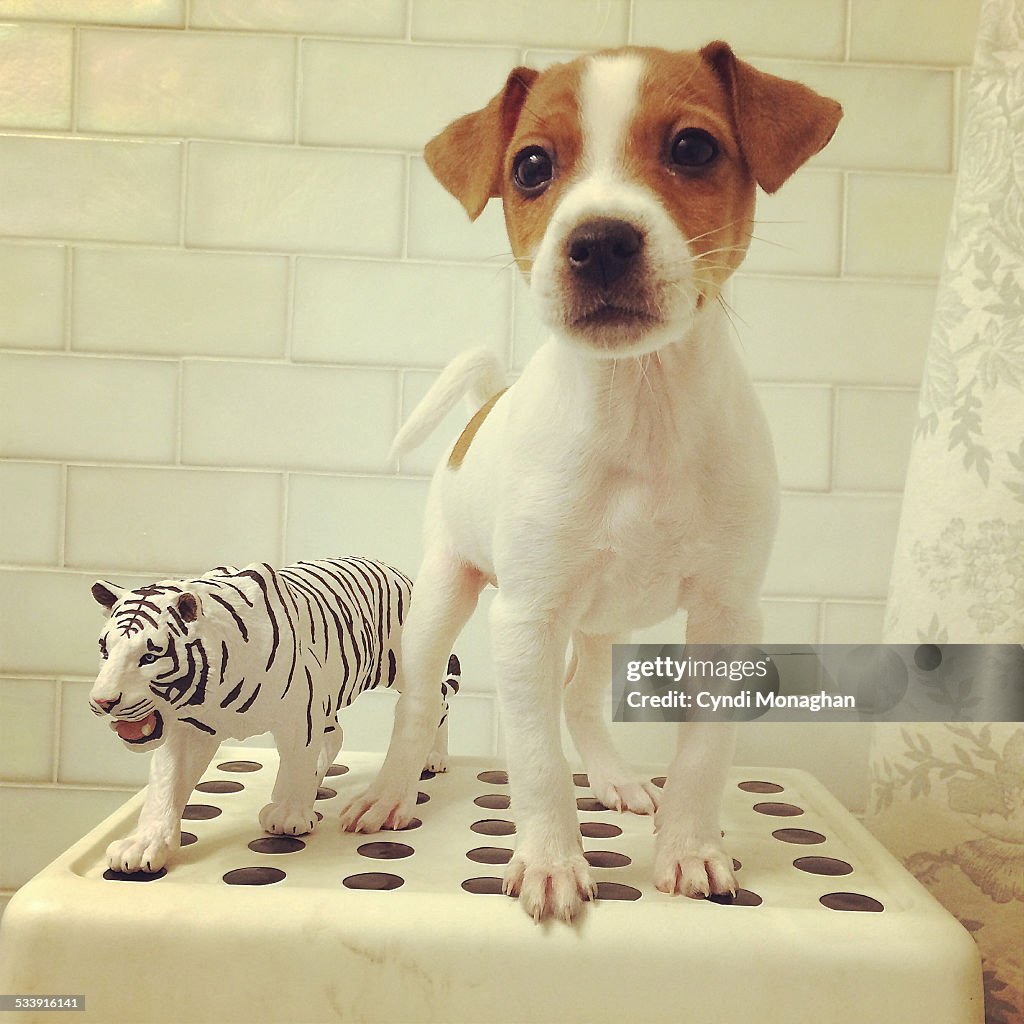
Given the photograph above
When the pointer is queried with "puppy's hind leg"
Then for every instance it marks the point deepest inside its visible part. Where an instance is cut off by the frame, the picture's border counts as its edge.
(444, 596)
(587, 682)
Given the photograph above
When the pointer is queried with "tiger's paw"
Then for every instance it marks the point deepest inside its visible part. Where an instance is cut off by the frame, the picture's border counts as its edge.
(287, 819)
(147, 852)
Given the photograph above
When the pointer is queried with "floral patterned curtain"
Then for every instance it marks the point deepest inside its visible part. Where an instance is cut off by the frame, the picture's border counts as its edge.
(949, 799)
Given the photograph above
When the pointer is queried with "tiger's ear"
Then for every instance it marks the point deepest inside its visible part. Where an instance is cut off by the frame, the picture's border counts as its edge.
(188, 606)
(107, 595)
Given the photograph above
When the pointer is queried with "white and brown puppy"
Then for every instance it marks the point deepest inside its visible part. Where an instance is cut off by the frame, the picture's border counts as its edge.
(628, 472)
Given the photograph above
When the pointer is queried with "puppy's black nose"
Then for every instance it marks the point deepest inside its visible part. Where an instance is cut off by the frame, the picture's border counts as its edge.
(601, 251)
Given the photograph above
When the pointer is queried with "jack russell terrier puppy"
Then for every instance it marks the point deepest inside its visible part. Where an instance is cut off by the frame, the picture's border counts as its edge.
(629, 471)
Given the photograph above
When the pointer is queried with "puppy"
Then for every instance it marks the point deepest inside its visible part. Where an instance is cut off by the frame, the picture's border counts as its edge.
(628, 472)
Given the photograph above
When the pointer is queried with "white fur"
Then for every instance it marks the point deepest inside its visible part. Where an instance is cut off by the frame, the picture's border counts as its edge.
(603, 492)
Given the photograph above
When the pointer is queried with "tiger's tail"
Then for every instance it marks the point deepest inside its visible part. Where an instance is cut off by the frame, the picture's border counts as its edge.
(477, 374)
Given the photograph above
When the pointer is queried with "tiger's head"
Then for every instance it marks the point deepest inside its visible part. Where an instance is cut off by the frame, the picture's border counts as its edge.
(148, 663)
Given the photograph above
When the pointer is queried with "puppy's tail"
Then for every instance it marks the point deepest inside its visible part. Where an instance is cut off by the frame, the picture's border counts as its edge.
(478, 374)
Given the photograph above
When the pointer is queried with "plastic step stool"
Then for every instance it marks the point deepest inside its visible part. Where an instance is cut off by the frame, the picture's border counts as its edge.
(411, 926)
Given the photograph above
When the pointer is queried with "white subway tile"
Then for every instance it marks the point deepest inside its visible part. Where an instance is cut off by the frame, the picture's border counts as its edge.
(179, 303)
(348, 311)
(26, 729)
(798, 28)
(47, 822)
(89, 188)
(523, 22)
(367, 722)
(854, 623)
(291, 417)
(471, 721)
(834, 545)
(32, 296)
(873, 438)
(378, 518)
(895, 118)
(440, 229)
(171, 522)
(790, 622)
(913, 31)
(393, 96)
(110, 12)
(800, 419)
(897, 224)
(30, 513)
(329, 17)
(286, 199)
(424, 459)
(80, 407)
(852, 332)
(798, 230)
(90, 752)
(35, 76)
(51, 622)
(192, 83)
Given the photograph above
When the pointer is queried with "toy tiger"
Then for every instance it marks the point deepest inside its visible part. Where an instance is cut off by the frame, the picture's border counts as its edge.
(238, 652)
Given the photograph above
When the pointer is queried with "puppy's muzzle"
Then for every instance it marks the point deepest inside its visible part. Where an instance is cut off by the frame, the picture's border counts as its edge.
(600, 252)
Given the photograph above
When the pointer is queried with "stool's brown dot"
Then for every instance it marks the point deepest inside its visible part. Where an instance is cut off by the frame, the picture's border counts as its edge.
(761, 787)
(254, 876)
(326, 793)
(659, 781)
(493, 827)
(240, 766)
(800, 836)
(426, 774)
(219, 786)
(378, 880)
(778, 810)
(850, 901)
(319, 816)
(823, 866)
(490, 855)
(581, 780)
(412, 823)
(336, 769)
(600, 829)
(199, 812)
(493, 801)
(616, 891)
(422, 798)
(606, 859)
(495, 778)
(385, 851)
(736, 865)
(743, 898)
(134, 876)
(487, 885)
(588, 803)
(188, 838)
(277, 844)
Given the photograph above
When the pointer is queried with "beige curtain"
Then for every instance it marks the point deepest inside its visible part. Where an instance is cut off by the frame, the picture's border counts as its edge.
(949, 799)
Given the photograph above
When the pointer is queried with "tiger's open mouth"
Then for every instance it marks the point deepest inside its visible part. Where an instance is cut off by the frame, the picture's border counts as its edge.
(145, 730)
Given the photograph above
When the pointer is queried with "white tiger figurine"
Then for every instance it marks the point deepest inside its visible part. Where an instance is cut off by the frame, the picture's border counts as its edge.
(238, 652)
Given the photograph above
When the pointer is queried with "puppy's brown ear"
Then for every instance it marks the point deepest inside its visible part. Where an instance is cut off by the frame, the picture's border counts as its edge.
(467, 156)
(780, 123)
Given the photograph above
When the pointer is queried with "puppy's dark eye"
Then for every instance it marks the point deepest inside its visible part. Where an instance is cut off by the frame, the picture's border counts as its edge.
(694, 148)
(147, 659)
(532, 170)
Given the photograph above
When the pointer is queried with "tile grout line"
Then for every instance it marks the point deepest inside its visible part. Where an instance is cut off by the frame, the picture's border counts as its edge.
(58, 716)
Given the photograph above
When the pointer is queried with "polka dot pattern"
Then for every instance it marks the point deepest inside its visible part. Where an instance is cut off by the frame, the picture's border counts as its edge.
(610, 848)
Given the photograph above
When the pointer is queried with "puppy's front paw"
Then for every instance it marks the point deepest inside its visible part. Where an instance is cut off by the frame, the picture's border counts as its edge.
(287, 819)
(550, 888)
(144, 851)
(693, 868)
(437, 761)
(380, 807)
(624, 793)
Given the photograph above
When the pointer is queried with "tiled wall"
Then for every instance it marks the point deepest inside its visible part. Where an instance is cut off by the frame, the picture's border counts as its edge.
(226, 276)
